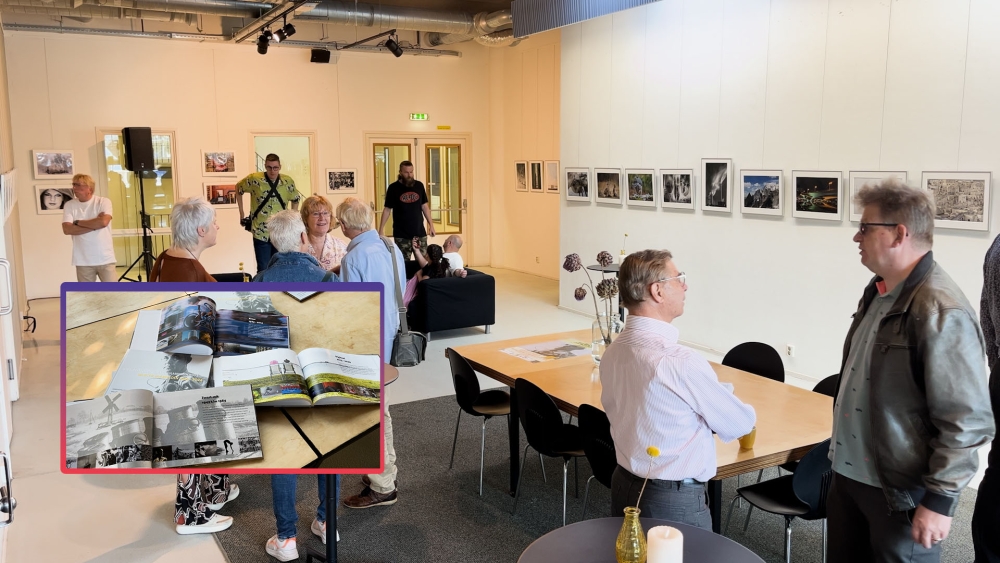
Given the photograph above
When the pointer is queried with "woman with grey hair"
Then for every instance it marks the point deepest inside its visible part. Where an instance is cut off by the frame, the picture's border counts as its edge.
(194, 228)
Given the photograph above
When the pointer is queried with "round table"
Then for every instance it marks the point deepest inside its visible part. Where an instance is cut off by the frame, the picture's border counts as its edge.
(593, 541)
(391, 374)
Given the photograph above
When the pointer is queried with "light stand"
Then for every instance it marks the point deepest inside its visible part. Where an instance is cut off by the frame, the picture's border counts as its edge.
(147, 242)
(331, 525)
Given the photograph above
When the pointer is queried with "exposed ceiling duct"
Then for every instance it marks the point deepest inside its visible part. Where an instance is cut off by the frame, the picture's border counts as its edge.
(482, 24)
(112, 32)
(503, 38)
(230, 8)
(389, 17)
(103, 12)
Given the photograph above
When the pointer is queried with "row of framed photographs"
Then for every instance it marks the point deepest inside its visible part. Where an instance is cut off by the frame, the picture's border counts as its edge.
(961, 199)
(538, 176)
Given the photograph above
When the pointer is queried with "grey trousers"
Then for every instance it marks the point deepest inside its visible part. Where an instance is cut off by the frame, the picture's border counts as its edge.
(862, 528)
(686, 503)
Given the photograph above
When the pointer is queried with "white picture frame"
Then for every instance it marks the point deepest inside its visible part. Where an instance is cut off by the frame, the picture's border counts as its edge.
(50, 199)
(961, 199)
(550, 176)
(341, 181)
(608, 181)
(521, 176)
(717, 183)
(677, 188)
(535, 180)
(51, 164)
(221, 196)
(640, 187)
(218, 163)
(860, 178)
(578, 184)
(765, 189)
(815, 190)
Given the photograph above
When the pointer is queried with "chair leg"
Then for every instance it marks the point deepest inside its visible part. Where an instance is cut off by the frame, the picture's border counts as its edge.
(586, 493)
(747, 523)
(520, 479)
(739, 483)
(542, 464)
(760, 475)
(488, 329)
(824, 540)
(565, 469)
(788, 540)
(729, 516)
(482, 458)
(455, 441)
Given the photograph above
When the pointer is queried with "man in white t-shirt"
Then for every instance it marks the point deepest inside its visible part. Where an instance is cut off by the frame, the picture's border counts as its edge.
(450, 248)
(88, 220)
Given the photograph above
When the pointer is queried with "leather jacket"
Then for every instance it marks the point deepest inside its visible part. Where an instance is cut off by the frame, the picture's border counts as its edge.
(930, 407)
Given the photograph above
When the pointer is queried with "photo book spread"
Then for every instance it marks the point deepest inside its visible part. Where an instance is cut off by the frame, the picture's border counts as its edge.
(160, 372)
(195, 325)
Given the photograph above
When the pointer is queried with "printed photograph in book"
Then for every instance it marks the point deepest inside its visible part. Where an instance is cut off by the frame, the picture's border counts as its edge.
(195, 325)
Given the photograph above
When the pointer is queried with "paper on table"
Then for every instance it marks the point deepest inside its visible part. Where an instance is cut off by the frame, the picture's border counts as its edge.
(147, 328)
(664, 544)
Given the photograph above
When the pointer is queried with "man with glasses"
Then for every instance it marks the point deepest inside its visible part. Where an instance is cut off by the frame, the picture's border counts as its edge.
(270, 191)
(88, 220)
(659, 393)
(912, 406)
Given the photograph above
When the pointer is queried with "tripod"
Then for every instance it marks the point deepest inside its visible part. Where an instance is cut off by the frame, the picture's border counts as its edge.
(147, 242)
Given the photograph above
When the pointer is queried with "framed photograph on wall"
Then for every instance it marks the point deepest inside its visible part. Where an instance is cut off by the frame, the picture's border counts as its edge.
(676, 188)
(577, 184)
(640, 187)
(535, 176)
(551, 175)
(50, 199)
(961, 199)
(218, 163)
(521, 176)
(760, 192)
(858, 180)
(608, 185)
(341, 181)
(52, 164)
(221, 195)
(816, 194)
(717, 174)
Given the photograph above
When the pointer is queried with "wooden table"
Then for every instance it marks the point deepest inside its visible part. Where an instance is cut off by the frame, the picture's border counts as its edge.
(99, 331)
(790, 420)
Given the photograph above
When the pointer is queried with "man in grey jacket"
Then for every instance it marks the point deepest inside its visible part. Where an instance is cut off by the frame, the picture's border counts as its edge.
(912, 405)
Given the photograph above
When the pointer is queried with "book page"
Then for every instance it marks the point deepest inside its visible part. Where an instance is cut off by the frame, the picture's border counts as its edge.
(240, 332)
(275, 377)
(113, 430)
(188, 326)
(246, 301)
(333, 377)
(161, 373)
(147, 330)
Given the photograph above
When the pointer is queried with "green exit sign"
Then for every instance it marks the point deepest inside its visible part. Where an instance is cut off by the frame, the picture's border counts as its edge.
(418, 117)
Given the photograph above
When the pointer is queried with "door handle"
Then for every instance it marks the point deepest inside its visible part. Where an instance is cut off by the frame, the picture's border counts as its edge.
(6, 309)
(7, 501)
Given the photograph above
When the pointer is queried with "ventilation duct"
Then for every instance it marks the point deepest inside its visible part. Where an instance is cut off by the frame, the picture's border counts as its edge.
(503, 38)
(103, 12)
(389, 17)
(111, 32)
(230, 8)
(536, 16)
(483, 24)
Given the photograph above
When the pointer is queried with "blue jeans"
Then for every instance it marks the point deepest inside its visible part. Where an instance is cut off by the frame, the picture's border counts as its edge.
(262, 251)
(283, 497)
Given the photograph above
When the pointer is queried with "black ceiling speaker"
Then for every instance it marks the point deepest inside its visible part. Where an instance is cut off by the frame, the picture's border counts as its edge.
(320, 56)
(138, 149)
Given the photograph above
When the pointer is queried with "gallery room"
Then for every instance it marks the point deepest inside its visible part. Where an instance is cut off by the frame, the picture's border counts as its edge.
(553, 141)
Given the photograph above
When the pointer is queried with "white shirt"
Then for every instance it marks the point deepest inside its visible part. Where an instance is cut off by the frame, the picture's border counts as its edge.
(454, 260)
(657, 392)
(94, 248)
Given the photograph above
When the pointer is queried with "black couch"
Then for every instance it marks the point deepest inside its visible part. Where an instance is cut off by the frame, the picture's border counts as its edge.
(447, 303)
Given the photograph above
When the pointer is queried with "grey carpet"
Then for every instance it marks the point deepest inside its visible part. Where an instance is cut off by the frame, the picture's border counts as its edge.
(440, 516)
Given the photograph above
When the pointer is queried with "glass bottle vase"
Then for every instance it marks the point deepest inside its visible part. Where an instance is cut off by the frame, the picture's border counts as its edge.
(631, 544)
(603, 332)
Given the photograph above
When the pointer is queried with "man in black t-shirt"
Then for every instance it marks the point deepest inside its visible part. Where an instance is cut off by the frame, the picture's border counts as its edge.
(407, 199)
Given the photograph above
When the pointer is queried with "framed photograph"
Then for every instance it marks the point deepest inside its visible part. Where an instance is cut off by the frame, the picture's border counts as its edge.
(761, 192)
(608, 185)
(640, 187)
(521, 176)
(676, 188)
(961, 199)
(858, 180)
(816, 195)
(535, 176)
(578, 184)
(221, 195)
(50, 199)
(341, 181)
(218, 163)
(551, 175)
(718, 178)
(52, 164)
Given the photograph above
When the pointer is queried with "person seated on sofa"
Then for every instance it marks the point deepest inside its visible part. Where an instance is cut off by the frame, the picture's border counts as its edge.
(451, 246)
(433, 265)
(292, 262)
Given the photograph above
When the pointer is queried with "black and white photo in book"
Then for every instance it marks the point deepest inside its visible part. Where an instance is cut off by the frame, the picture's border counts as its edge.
(608, 185)
(961, 199)
(578, 184)
(640, 187)
(816, 194)
(858, 180)
(112, 430)
(160, 373)
(677, 188)
(521, 176)
(718, 181)
(535, 176)
(761, 192)
(341, 181)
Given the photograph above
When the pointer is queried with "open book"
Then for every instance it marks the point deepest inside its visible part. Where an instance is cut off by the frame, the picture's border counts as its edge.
(138, 428)
(314, 376)
(161, 373)
(194, 325)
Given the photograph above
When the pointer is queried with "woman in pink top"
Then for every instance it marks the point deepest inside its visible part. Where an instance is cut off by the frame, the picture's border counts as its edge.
(317, 214)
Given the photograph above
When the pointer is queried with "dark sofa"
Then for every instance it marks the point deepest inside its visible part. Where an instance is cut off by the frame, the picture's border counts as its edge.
(447, 303)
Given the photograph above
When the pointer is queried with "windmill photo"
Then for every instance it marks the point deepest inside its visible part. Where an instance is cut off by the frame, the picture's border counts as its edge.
(112, 408)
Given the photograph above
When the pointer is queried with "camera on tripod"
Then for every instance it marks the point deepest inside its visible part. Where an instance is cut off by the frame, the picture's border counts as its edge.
(245, 222)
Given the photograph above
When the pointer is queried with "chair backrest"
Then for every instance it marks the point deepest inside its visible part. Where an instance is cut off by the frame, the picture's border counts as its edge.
(828, 386)
(757, 358)
(598, 443)
(465, 380)
(811, 480)
(539, 415)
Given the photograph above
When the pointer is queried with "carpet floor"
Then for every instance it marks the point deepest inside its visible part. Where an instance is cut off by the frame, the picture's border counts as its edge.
(440, 516)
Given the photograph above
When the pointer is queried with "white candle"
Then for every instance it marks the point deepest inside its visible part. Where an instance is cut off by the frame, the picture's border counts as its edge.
(664, 545)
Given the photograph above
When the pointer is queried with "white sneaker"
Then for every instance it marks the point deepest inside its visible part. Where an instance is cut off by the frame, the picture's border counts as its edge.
(216, 523)
(320, 531)
(234, 491)
(282, 550)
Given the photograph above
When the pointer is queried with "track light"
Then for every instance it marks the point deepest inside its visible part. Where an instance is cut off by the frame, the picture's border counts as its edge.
(284, 32)
(263, 41)
(289, 30)
(393, 46)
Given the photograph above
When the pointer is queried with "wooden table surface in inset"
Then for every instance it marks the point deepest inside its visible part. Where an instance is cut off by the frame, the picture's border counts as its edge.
(84, 307)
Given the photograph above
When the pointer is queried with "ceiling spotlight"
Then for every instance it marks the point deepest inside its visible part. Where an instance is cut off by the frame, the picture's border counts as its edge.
(289, 30)
(279, 36)
(393, 46)
(263, 41)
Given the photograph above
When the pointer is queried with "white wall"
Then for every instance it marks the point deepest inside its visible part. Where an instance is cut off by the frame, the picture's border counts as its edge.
(790, 84)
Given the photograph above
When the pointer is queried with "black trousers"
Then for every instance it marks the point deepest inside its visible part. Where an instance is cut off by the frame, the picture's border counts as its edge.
(986, 520)
(686, 503)
(863, 528)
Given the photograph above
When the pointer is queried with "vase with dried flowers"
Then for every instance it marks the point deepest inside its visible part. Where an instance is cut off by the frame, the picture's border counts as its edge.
(630, 547)
(607, 325)
(621, 257)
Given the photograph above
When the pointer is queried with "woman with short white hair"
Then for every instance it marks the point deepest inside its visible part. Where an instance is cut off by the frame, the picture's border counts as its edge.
(194, 228)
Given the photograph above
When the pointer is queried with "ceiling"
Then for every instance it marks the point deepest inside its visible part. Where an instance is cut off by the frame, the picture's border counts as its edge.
(468, 6)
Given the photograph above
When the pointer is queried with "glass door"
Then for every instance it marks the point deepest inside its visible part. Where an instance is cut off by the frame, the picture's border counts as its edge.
(444, 186)
(386, 159)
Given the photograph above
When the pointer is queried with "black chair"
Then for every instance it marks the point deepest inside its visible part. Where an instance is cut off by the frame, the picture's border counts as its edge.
(487, 404)
(599, 447)
(826, 387)
(232, 277)
(757, 358)
(546, 432)
(801, 494)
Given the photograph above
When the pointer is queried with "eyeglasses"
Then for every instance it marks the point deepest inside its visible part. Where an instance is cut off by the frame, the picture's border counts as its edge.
(320, 214)
(680, 276)
(81, 185)
(863, 227)
(278, 167)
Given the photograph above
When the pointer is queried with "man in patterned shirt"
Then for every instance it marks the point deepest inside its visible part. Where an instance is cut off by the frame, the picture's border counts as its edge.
(270, 191)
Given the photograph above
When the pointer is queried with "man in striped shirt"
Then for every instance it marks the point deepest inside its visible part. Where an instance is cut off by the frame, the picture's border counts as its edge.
(657, 392)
